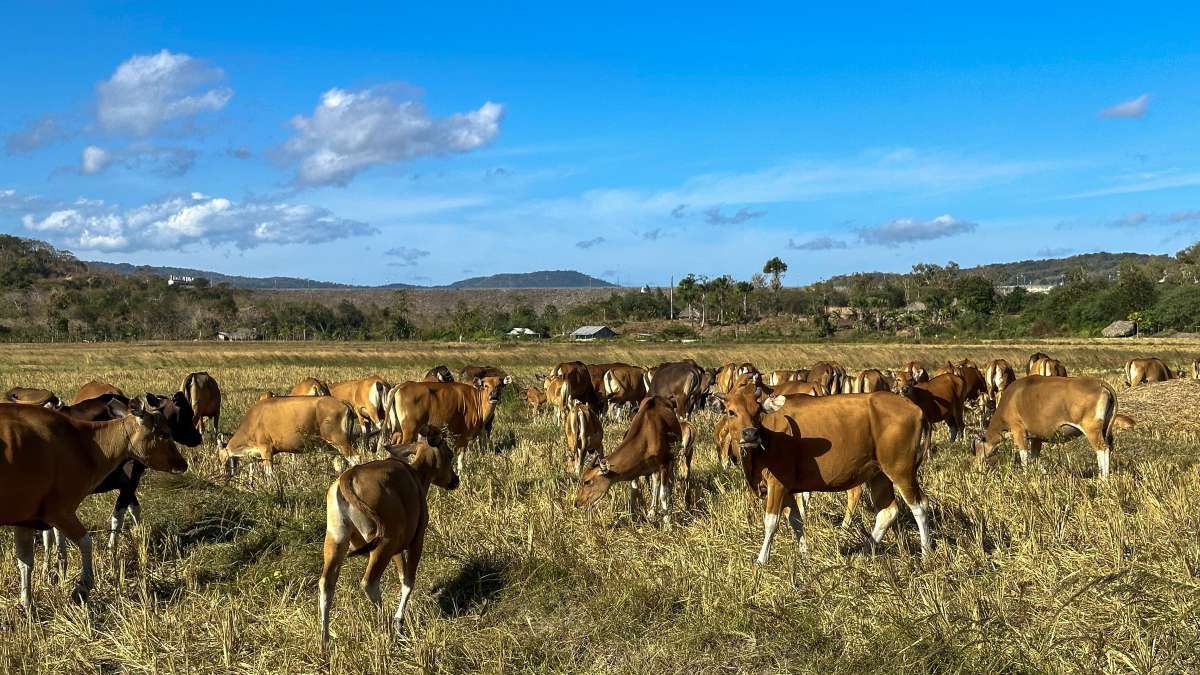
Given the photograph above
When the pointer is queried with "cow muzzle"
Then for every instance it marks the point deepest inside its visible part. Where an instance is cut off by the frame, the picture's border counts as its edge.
(751, 437)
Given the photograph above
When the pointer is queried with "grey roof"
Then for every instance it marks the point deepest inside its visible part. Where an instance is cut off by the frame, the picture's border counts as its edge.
(591, 330)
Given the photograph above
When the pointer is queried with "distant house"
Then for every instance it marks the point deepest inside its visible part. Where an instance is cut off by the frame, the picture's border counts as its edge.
(180, 281)
(520, 332)
(238, 335)
(593, 332)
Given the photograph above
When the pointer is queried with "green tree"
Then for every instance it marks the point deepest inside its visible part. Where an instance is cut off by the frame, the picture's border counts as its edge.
(776, 268)
(976, 294)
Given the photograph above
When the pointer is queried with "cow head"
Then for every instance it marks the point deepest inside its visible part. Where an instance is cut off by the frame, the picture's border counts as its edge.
(491, 387)
(742, 405)
(150, 436)
(904, 383)
(594, 482)
(431, 458)
(177, 412)
(984, 450)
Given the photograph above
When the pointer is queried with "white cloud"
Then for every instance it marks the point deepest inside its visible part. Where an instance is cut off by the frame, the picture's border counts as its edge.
(350, 131)
(817, 244)
(1131, 108)
(176, 221)
(907, 230)
(94, 160)
(714, 216)
(150, 90)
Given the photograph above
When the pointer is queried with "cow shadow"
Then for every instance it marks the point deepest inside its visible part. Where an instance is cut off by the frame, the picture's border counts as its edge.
(953, 526)
(477, 584)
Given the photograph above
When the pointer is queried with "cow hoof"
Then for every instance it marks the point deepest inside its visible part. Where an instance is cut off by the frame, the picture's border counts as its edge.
(79, 594)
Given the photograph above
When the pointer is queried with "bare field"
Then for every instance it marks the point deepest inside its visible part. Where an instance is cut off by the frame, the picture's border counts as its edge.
(1047, 570)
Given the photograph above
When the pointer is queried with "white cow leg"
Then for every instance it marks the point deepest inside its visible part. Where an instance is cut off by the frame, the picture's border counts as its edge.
(664, 499)
(1103, 458)
(653, 497)
(920, 511)
(114, 532)
(405, 590)
(770, 524)
(796, 513)
(87, 574)
(883, 521)
(23, 547)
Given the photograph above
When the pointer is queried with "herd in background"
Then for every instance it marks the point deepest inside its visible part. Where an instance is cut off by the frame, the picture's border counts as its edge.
(792, 432)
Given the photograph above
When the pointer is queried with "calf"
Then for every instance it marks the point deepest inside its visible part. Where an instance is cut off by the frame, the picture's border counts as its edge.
(204, 395)
(50, 462)
(1035, 408)
(536, 398)
(941, 400)
(291, 424)
(830, 444)
(647, 449)
(584, 434)
(310, 386)
(382, 509)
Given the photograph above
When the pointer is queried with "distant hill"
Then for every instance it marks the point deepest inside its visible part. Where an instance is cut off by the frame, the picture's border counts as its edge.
(543, 279)
(1037, 272)
(213, 277)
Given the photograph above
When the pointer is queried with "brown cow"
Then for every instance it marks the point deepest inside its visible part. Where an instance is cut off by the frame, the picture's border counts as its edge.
(438, 374)
(997, 376)
(777, 377)
(872, 380)
(49, 462)
(733, 375)
(1048, 367)
(1196, 369)
(204, 395)
(1033, 359)
(382, 508)
(577, 385)
(536, 398)
(1034, 408)
(366, 397)
(725, 437)
(647, 449)
(291, 424)
(465, 410)
(27, 396)
(95, 389)
(941, 400)
(828, 374)
(471, 373)
(1142, 371)
(552, 386)
(596, 372)
(830, 444)
(796, 388)
(310, 386)
(914, 371)
(624, 386)
(681, 382)
(585, 437)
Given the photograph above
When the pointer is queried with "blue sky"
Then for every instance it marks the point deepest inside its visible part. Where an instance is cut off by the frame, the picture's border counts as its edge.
(426, 145)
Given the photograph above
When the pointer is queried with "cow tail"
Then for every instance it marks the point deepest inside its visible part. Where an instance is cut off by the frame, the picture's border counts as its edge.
(346, 491)
(1109, 412)
(578, 427)
(190, 389)
(349, 423)
(376, 398)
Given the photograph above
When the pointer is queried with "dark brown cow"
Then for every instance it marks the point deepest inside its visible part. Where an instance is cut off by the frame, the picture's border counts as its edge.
(1034, 409)
(1142, 371)
(830, 444)
(95, 389)
(941, 399)
(204, 395)
(914, 371)
(647, 449)
(577, 385)
(681, 382)
(465, 410)
(27, 396)
(49, 462)
(382, 508)
(439, 374)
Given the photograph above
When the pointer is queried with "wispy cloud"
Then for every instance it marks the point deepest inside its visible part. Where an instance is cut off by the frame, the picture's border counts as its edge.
(163, 160)
(351, 131)
(1055, 252)
(1132, 108)
(589, 243)
(908, 230)
(652, 235)
(817, 244)
(406, 256)
(679, 211)
(1165, 180)
(714, 216)
(44, 130)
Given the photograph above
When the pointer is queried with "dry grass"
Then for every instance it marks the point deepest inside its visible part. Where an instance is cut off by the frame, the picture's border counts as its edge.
(1171, 407)
(1049, 570)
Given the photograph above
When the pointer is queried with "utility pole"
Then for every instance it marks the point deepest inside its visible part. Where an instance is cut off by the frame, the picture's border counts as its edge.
(671, 294)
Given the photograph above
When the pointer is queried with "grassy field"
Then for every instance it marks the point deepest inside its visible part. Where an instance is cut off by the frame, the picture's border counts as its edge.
(1049, 570)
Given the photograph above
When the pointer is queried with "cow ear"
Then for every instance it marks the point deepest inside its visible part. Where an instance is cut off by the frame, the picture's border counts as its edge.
(774, 403)
(153, 400)
(508, 379)
(117, 408)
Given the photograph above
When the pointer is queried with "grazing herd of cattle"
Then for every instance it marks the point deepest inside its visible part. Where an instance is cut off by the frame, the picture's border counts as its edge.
(793, 432)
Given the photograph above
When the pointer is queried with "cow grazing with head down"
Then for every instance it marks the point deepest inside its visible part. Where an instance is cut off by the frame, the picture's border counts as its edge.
(679, 381)
(584, 435)
(1048, 367)
(291, 424)
(464, 410)
(941, 400)
(365, 396)
(204, 395)
(438, 374)
(830, 444)
(1034, 410)
(381, 508)
(577, 385)
(655, 441)
(310, 386)
(1142, 371)
(624, 386)
(27, 396)
(997, 376)
(51, 462)
(1033, 359)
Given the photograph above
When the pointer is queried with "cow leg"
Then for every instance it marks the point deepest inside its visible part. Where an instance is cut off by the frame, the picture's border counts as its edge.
(910, 491)
(882, 492)
(853, 497)
(796, 511)
(665, 482)
(634, 485)
(407, 565)
(771, 511)
(335, 555)
(376, 566)
(1103, 448)
(74, 530)
(23, 548)
(55, 564)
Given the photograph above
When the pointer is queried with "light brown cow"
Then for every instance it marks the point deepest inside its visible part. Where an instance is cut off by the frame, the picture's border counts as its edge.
(382, 508)
(830, 444)
(49, 462)
(796, 388)
(584, 435)
(465, 410)
(647, 449)
(310, 386)
(941, 400)
(624, 386)
(27, 396)
(725, 437)
(1142, 371)
(1032, 360)
(778, 377)
(1048, 367)
(438, 374)
(732, 375)
(872, 380)
(204, 395)
(552, 386)
(366, 397)
(1035, 408)
(828, 374)
(291, 424)
(95, 389)
(997, 376)
(536, 398)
